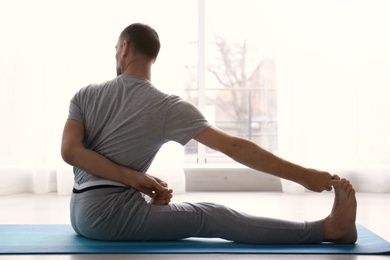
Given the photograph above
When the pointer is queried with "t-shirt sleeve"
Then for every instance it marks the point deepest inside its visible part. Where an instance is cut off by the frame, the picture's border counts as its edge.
(75, 108)
(183, 121)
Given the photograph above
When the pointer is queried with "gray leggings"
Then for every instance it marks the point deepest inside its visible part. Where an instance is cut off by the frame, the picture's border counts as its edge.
(122, 214)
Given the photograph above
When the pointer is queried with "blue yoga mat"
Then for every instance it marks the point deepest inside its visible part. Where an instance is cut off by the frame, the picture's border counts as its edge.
(61, 239)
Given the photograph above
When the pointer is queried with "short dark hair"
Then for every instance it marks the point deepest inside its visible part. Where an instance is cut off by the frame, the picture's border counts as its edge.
(144, 38)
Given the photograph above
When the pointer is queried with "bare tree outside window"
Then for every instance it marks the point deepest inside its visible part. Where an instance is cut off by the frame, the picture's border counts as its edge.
(243, 97)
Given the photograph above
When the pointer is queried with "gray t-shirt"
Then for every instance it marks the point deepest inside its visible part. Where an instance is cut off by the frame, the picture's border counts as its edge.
(127, 120)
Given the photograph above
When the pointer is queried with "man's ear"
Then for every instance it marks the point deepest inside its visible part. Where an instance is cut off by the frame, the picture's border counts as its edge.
(125, 48)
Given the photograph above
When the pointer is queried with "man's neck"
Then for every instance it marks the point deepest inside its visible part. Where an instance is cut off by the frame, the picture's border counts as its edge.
(139, 74)
(139, 68)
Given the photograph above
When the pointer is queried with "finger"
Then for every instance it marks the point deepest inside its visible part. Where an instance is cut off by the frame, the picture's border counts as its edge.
(334, 183)
(161, 189)
(151, 193)
(168, 195)
(160, 185)
(163, 183)
(165, 195)
(335, 177)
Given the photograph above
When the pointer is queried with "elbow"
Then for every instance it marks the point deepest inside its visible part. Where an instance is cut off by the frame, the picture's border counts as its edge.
(67, 154)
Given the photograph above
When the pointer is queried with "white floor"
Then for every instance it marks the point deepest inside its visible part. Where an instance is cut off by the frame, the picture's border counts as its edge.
(373, 212)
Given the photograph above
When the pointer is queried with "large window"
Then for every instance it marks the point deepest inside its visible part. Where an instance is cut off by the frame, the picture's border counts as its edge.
(234, 78)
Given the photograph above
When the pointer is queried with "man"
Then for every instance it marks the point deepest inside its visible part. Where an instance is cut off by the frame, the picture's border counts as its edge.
(115, 129)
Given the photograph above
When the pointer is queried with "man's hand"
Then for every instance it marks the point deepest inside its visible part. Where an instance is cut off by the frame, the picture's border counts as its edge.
(162, 198)
(152, 186)
(318, 180)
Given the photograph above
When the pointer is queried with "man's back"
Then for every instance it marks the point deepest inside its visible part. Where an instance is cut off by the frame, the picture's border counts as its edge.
(127, 120)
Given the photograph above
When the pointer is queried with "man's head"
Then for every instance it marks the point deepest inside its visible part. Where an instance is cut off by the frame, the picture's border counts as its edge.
(139, 39)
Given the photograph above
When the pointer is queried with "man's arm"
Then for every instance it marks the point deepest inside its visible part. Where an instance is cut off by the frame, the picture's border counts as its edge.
(74, 153)
(253, 156)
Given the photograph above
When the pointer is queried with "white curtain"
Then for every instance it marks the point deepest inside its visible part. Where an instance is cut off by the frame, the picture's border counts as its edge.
(332, 59)
(333, 88)
(49, 50)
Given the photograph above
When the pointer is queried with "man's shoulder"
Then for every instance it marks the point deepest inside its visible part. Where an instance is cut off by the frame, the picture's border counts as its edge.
(96, 87)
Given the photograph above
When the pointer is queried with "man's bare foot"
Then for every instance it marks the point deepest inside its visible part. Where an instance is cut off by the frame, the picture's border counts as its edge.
(339, 226)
